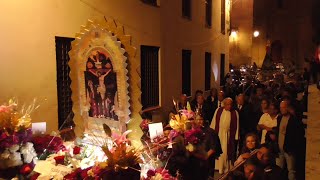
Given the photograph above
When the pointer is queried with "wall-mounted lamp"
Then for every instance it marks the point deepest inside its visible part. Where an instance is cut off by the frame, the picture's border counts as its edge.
(234, 33)
(256, 33)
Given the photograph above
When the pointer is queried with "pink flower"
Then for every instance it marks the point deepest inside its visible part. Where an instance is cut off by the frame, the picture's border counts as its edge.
(119, 139)
(189, 114)
(193, 136)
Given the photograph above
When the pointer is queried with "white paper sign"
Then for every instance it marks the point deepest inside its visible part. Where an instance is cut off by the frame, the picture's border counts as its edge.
(39, 127)
(155, 129)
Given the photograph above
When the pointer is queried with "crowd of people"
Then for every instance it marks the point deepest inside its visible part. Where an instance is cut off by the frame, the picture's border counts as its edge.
(248, 135)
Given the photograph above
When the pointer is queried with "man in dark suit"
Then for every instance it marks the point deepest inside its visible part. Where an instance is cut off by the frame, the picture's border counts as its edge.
(245, 121)
(201, 108)
(212, 102)
(290, 134)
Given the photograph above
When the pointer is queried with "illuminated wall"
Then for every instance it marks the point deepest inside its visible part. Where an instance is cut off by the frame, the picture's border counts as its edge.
(29, 27)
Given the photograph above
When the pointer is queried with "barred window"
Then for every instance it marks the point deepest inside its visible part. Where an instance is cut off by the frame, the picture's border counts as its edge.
(223, 16)
(207, 71)
(222, 68)
(208, 13)
(186, 72)
(186, 9)
(63, 46)
(149, 76)
(152, 2)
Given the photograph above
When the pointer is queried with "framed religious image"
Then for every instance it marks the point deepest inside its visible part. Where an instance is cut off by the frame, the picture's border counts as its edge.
(99, 81)
(101, 85)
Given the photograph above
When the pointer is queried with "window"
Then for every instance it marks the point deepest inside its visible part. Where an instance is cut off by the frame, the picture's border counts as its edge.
(280, 4)
(65, 114)
(152, 2)
(186, 72)
(208, 13)
(222, 68)
(186, 9)
(149, 76)
(207, 71)
(223, 16)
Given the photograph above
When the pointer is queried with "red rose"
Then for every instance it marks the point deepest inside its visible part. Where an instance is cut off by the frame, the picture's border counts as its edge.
(25, 169)
(59, 159)
(76, 150)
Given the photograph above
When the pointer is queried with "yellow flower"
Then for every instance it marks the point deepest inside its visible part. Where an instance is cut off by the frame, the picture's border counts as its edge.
(179, 122)
(190, 147)
(103, 165)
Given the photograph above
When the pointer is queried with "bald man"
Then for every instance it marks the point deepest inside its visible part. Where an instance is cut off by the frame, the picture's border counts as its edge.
(225, 122)
(290, 137)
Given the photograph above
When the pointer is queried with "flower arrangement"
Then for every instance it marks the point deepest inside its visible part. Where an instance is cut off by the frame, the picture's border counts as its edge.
(122, 160)
(159, 174)
(17, 154)
(47, 144)
(12, 120)
(75, 160)
(179, 122)
(193, 137)
(144, 125)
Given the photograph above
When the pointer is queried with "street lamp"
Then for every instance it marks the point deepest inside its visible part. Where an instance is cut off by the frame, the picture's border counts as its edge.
(256, 33)
(234, 34)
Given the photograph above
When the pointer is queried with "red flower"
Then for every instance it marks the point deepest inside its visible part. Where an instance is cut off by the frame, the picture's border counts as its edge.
(59, 159)
(73, 175)
(84, 173)
(35, 176)
(76, 150)
(26, 169)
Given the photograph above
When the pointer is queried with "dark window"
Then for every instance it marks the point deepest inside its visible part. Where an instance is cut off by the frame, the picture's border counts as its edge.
(207, 71)
(280, 4)
(208, 13)
(65, 114)
(151, 2)
(223, 16)
(149, 76)
(186, 9)
(186, 72)
(222, 68)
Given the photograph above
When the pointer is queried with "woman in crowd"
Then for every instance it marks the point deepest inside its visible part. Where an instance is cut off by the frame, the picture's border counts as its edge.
(251, 144)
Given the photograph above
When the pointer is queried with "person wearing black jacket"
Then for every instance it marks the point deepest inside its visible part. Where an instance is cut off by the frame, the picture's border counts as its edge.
(245, 121)
(201, 108)
(212, 102)
(290, 135)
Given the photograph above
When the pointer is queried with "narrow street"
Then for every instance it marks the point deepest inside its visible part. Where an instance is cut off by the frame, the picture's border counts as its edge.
(313, 135)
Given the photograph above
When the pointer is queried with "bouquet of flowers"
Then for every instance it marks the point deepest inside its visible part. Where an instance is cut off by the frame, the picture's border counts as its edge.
(17, 155)
(47, 144)
(159, 174)
(193, 137)
(144, 125)
(122, 160)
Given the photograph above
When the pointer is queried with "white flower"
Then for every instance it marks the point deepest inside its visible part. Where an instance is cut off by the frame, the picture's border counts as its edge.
(28, 152)
(14, 160)
(14, 148)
